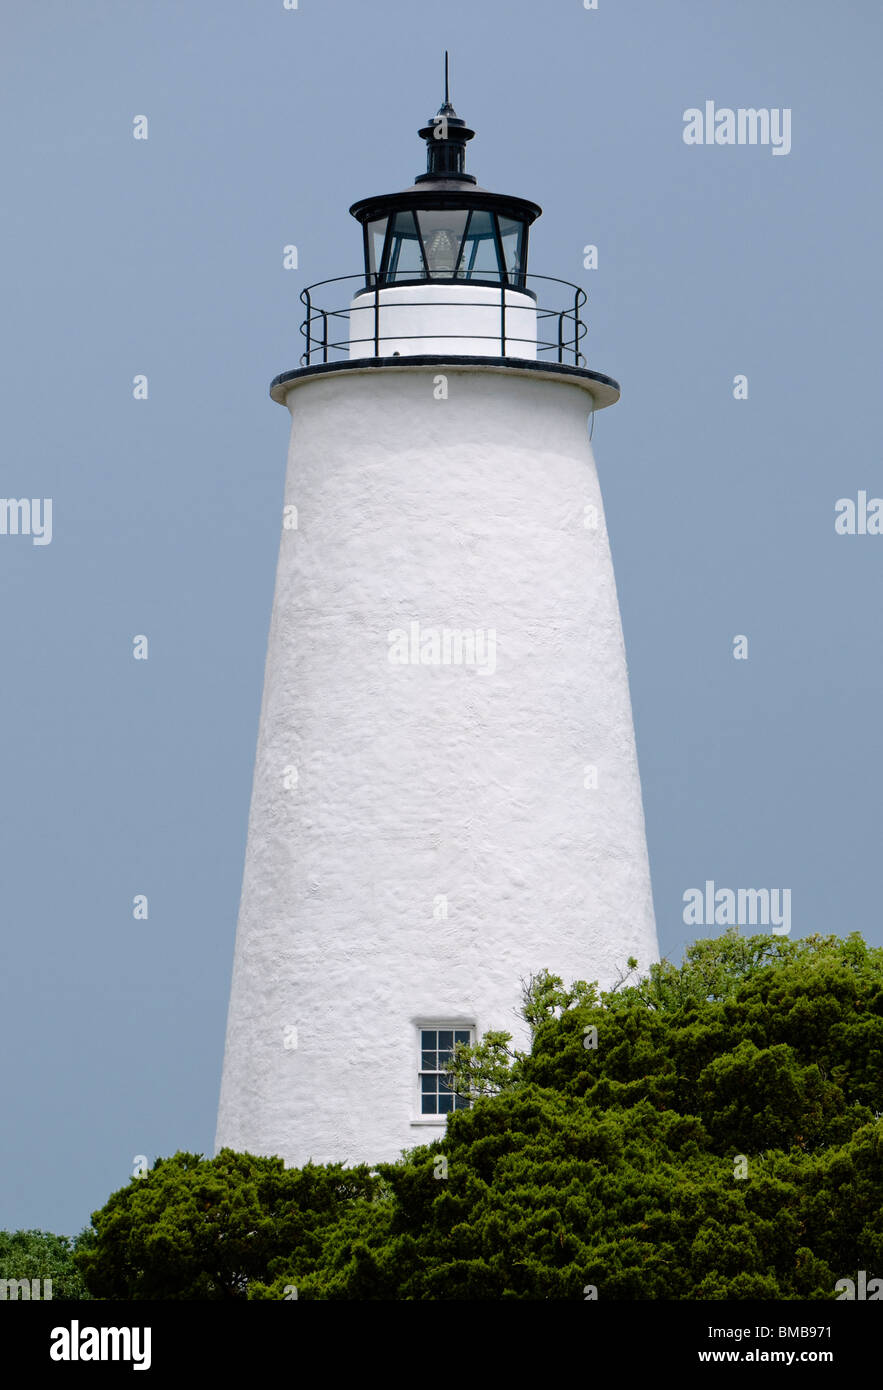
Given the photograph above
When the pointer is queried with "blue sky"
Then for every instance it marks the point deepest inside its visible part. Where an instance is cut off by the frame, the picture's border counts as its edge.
(164, 257)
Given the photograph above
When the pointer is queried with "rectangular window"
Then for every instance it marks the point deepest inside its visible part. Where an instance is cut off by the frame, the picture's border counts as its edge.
(511, 238)
(478, 254)
(436, 1050)
(442, 236)
(405, 250)
(375, 235)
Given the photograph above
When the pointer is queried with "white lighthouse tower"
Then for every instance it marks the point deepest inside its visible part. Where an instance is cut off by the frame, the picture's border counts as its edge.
(446, 795)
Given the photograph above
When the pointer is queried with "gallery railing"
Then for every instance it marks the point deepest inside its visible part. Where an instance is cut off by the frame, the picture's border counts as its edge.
(321, 326)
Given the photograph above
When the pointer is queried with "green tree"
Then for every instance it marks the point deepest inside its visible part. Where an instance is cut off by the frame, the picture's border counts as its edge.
(708, 1131)
(197, 1228)
(42, 1255)
(490, 1066)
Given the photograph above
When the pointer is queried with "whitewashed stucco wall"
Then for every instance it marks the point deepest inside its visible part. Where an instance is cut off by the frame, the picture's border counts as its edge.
(444, 318)
(421, 781)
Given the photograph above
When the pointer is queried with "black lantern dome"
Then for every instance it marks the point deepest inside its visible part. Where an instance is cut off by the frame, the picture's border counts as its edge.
(445, 227)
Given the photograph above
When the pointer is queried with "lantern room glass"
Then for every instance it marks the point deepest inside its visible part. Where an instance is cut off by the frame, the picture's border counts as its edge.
(375, 239)
(404, 256)
(442, 233)
(512, 238)
(479, 257)
(452, 244)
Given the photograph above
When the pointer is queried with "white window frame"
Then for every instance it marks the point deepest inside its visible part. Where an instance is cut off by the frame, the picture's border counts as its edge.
(459, 1025)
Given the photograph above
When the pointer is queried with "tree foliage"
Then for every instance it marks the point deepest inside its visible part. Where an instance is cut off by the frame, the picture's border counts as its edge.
(41, 1255)
(197, 1228)
(708, 1131)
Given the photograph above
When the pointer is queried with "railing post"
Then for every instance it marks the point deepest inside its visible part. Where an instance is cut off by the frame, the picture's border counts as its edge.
(502, 320)
(561, 335)
(324, 336)
(309, 327)
(376, 316)
(576, 322)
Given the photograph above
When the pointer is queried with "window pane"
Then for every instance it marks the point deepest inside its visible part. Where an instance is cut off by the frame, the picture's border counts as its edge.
(427, 1084)
(446, 1038)
(429, 1106)
(429, 1062)
(405, 257)
(479, 259)
(512, 236)
(428, 1038)
(376, 234)
(442, 233)
(445, 1103)
(444, 1086)
(461, 1035)
(461, 1103)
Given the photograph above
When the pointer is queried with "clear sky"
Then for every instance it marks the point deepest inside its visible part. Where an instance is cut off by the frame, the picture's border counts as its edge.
(164, 257)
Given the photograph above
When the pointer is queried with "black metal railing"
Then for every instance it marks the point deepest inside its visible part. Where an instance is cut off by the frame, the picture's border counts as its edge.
(321, 326)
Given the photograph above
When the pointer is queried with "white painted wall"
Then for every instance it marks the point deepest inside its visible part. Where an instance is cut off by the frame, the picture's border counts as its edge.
(418, 781)
(462, 319)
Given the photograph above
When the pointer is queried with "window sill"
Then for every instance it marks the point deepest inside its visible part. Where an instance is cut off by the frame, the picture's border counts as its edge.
(438, 1120)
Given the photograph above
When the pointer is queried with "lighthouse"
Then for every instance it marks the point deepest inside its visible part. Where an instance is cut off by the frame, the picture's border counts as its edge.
(446, 796)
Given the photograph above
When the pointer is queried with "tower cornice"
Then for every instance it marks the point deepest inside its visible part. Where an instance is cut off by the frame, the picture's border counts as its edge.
(603, 389)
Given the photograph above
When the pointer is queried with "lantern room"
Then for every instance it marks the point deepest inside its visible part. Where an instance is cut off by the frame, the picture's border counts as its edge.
(445, 261)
